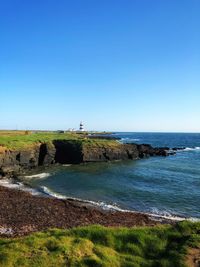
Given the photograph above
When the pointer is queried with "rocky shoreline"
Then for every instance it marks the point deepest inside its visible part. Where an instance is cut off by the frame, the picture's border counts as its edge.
(14, 162)
(22, 213)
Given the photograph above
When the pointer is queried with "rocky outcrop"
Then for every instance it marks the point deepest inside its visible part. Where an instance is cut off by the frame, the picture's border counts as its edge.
(71, 152)
(146, 149)
(107, 153)
(47, 154)
(12, 162)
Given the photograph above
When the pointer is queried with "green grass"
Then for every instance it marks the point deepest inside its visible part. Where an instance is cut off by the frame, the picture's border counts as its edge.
(16, 140)
(95, 246)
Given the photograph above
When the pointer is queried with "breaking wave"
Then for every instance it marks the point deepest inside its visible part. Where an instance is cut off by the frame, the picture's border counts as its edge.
(10, 183)
(168, 215)
(38, 176)
(43, 190)
(155, 214)
(100, 204)
(191, 148)
(49, 192)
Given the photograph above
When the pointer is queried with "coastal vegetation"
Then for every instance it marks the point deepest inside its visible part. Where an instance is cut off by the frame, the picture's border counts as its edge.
(163, 246)
(16, 140)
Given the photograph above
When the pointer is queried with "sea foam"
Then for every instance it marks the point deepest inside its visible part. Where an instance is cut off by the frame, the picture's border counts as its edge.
(191, 148)
(10, 183)
(49, 192)
(100, 204)
(155, 214)
(168, 215)
(38, 176)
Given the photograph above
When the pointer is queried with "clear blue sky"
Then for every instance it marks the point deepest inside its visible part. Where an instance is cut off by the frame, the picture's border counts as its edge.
(126, 65)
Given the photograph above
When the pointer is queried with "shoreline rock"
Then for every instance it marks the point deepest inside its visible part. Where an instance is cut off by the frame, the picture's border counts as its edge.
(13, 162)
(22, 213)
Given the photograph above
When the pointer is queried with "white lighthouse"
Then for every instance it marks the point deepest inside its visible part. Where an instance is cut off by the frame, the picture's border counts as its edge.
(81, 128)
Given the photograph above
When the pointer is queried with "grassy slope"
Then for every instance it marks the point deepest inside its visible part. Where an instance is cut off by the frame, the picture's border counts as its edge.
(15, 140)
(161, 246)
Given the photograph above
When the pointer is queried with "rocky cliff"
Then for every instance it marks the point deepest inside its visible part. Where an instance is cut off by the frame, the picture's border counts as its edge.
(13, 162)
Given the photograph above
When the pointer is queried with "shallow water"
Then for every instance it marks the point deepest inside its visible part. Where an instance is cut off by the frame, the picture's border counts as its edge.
(161, 185)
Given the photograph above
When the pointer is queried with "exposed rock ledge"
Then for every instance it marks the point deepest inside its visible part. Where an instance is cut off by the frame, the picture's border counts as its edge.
(13, 162)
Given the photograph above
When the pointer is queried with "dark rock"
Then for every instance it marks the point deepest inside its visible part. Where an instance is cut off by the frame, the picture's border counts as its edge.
(178, 148)
(165, 148)
(171, 152)
(68, 152)
(147, 150)
(47, 154)
(106, 153)
(73, 152)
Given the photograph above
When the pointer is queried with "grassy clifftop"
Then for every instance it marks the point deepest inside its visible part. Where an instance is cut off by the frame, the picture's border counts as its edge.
(15, 140)
(163, 246)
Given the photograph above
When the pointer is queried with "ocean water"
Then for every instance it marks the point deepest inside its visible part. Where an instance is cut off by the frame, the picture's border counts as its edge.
(167, 186)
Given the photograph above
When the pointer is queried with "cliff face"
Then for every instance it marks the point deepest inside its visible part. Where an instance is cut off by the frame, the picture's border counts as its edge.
(106, 153)
(13, 161)
(70, 152)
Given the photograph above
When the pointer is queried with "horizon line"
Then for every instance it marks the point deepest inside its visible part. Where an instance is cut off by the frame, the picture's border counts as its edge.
(109, 131)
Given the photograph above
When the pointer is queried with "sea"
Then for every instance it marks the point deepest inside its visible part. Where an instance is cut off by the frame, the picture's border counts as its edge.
(167, 187)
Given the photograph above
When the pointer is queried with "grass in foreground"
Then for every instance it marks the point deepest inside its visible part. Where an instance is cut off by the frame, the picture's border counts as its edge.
(161, 246)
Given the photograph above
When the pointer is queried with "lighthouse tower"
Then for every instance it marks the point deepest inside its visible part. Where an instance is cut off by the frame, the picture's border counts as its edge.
(81, 128)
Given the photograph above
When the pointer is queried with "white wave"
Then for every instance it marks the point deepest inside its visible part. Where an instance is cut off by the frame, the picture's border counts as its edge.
(38, 176)
(155, 214)
(10, 183)
(191, 148)
(159, 215)
(197, 148)
(110, 207)
(49, 192)
(100, 204)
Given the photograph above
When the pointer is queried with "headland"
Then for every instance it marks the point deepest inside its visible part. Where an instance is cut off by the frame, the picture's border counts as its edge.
(23, 151)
